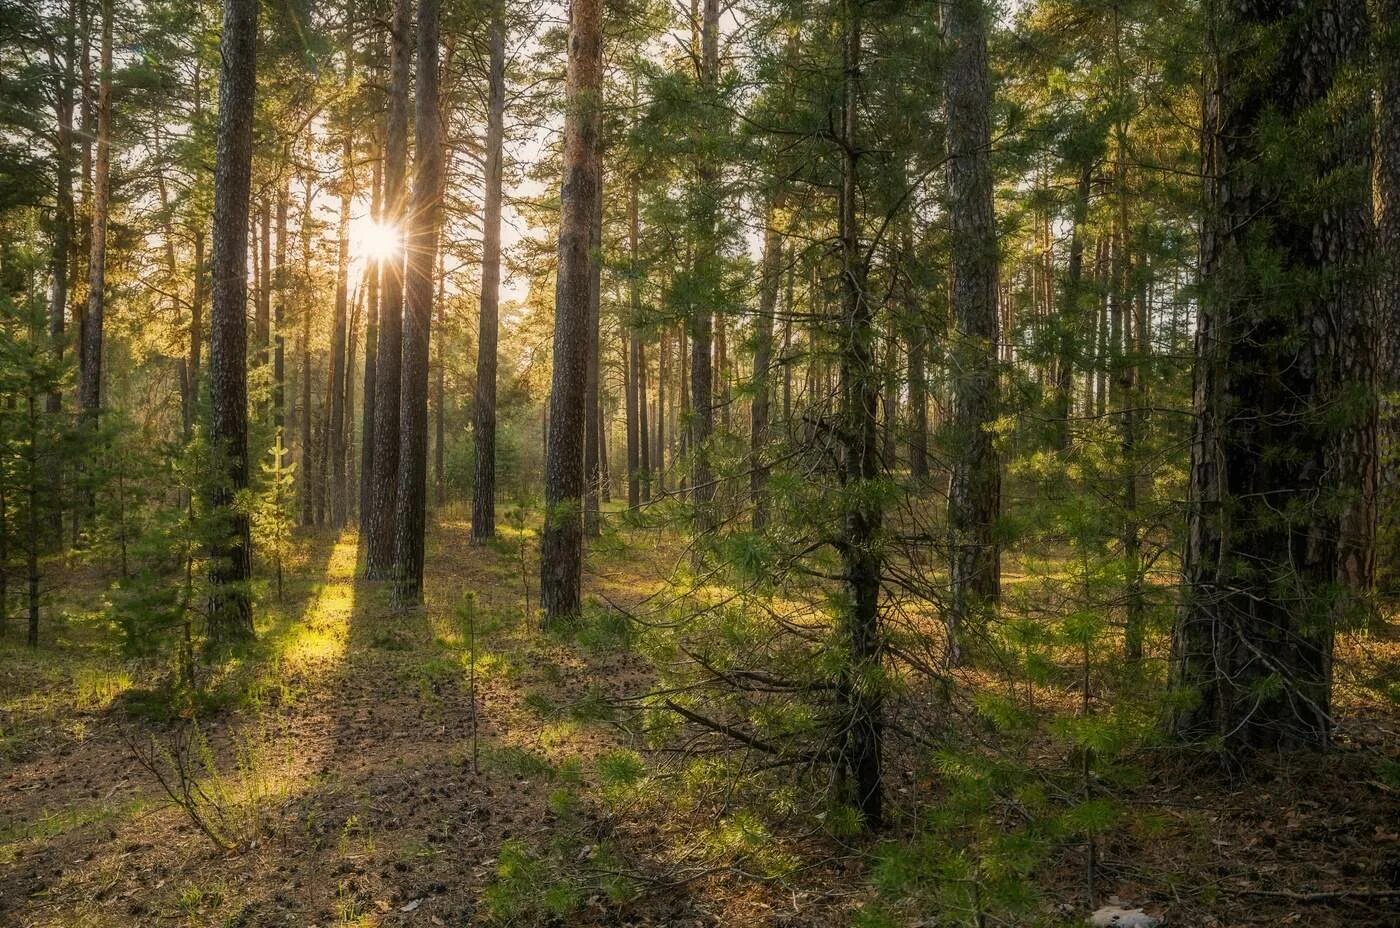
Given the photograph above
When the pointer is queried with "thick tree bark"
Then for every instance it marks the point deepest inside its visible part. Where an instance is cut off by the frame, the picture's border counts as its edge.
(1388, 289)
(379, 543)
(90, 379)
(561, 545)
(230, 608)
(974, 498)
(1282, 384)
(418, 314)
(484, 411)
(859, 696)
(635, 399)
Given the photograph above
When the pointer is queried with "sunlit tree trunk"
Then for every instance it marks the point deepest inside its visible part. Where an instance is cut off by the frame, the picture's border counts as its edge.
(230, 614)
(335, 404)
(636, 399)
(279, 316)
(592, 422)
(701, 413)
(384, 482)
(561, 545)
(374, 271)
(484, 408)
(974, 498)
(418, 313)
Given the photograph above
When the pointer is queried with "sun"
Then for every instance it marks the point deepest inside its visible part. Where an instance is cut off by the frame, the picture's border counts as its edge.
(376, 241)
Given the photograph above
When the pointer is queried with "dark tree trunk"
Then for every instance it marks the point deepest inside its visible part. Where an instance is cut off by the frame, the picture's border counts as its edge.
(484, 409)
(262, 315)
(636, 398)
(63, 219)
(592, 422)
(701, 413)
(975, 491)
(230, 608)
(762, 364)
(1283, 376)
(379, 544)
(561, 545)
(860, 698)
(373, 271)
(279, 316)
(306, 484)
(335, 402)
(917, 351)
(418, 314)
(90, 380)
(1069, 325)
(1388, 289)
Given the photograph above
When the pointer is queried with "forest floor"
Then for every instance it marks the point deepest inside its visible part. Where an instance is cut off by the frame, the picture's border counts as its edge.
(338, 762)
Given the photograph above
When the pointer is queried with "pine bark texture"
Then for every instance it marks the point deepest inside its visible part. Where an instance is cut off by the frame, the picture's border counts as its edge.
(230, 608)
(379, 545)
(1283, 389)
(425, 217)
(974, 496)
(90, 373)
(484, 408)
(561, 545)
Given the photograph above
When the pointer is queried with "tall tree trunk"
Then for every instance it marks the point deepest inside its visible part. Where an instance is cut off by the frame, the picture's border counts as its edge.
(440, 390)
(308, 453)
(769, 282)
(63, 218)
(561, 545)
(1388, 290)
(917, 351)
(484, 411)
(702, 414)
(1283, 343)
(418, 314)
(339, 488)
(90, 382)
(636, 399)
(592, 422)
(1069, 325)
(379, 544)
(374, 271)
(279, 315)
(230, 551)
(262, 315)
(975, 491)
(859, 696)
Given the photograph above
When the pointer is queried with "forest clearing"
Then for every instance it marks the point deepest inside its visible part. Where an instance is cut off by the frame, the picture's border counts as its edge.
(871, 463)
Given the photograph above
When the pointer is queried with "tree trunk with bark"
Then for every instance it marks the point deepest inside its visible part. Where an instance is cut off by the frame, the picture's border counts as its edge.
(974, 498)
(561, 545)
(418, 314)
(230, 614)
(484, 409)
(759, 415)
(592, 421)
(90, 375)
(1283, 384)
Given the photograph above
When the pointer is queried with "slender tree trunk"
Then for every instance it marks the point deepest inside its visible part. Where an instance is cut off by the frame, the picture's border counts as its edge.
(230, 608)
(308, 454)
(561, 546)
(379, 545)
(279, 316)
(262, 316)
(90, 382)
(917, 348)
(1283, 339)
(769, 282)
(339, 488)
(1070, 325)
(636, 398)
(975, 491)
(859, 696)
(418, 314)
(440, 390)
(592, 423)
(374, 271)
(889, 402)
(701, 415)
(484, 411)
